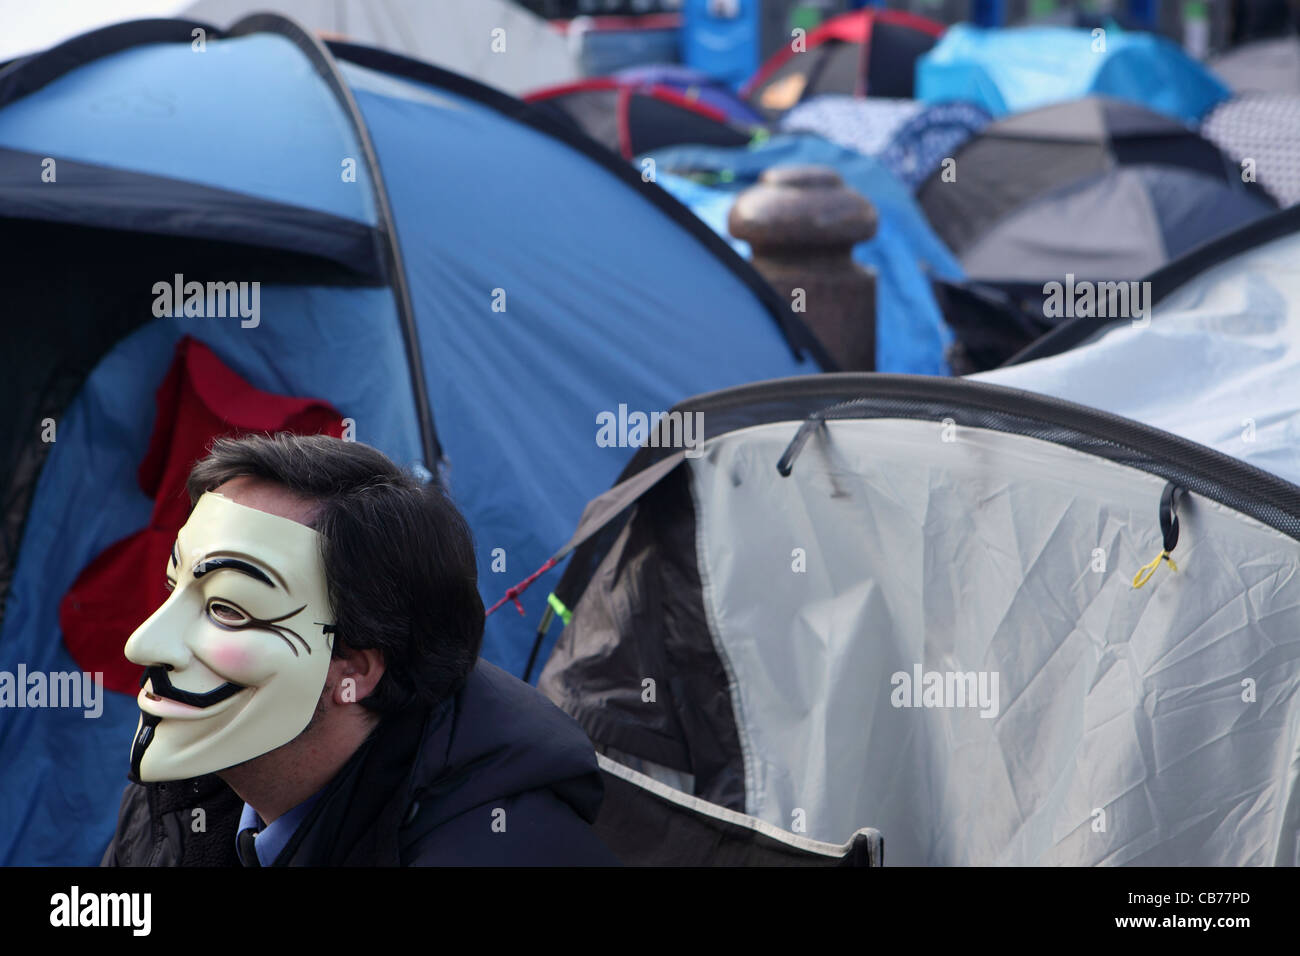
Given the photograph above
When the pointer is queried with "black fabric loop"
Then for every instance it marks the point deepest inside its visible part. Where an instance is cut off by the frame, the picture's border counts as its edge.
(786, 464)
(1169, 515)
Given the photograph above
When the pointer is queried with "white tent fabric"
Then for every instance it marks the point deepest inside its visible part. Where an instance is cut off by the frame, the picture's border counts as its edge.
(32, 27)
(1121, 731)
(1218, 363)
(457, 35)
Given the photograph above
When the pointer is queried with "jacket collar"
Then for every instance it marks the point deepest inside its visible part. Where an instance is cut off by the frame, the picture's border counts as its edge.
(357, 819)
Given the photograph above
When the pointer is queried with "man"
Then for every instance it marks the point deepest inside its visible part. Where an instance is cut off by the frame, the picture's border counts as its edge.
(313, 694)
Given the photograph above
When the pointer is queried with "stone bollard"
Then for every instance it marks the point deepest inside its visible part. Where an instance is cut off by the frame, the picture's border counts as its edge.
(802, 223)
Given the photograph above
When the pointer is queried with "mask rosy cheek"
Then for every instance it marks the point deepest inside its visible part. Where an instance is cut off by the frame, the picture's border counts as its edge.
(232, 660)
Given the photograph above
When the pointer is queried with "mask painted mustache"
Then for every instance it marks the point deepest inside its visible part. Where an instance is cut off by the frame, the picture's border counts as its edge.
(162, 687)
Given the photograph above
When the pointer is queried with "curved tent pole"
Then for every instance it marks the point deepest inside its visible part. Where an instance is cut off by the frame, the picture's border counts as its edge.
(391, 252)
(29, 74)
(26, 75)
(798, 336)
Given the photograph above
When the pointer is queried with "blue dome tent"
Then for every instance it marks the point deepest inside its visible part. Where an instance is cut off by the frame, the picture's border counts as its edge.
(1011, 70)
(468, 284)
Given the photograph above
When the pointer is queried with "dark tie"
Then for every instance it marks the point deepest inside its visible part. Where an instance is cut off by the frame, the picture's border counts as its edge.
(247, 849)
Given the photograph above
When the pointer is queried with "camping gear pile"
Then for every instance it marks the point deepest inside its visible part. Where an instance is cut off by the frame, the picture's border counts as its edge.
(1044, 614)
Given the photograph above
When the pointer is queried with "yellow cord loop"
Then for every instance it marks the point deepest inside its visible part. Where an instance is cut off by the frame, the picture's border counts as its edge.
(1145, 572)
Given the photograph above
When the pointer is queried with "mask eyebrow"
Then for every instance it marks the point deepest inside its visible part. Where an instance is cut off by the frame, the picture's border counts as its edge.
(176, 554)
(208, 565)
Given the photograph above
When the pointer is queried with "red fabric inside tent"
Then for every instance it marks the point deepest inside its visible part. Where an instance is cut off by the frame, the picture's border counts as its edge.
(200, 399)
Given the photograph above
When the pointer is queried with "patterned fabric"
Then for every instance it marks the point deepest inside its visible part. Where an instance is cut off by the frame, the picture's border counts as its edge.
(929, 137)
(865, 124)
(1264, 127)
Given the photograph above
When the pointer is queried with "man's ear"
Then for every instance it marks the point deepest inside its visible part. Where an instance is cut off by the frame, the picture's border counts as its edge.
(355, 674)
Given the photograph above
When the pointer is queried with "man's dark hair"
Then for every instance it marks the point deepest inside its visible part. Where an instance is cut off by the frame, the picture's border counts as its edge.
(398, 555)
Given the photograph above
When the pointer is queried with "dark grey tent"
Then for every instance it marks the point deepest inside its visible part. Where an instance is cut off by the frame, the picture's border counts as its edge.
(1120, 224)
(909, 603)
(1117, 226)
(1024, 156)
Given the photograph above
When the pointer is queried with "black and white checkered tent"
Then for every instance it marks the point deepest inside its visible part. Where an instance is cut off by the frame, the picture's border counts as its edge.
(865, 124)
(909, 604)
(1264, 127)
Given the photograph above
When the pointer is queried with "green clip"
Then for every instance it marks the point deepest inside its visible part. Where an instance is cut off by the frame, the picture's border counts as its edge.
(558, 607)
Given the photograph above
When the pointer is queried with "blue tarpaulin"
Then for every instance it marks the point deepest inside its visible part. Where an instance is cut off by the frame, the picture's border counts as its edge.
(1011, 70)
(910, 334)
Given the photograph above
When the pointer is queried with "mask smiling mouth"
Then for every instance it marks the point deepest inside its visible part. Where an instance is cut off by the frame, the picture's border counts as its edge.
(161, 691)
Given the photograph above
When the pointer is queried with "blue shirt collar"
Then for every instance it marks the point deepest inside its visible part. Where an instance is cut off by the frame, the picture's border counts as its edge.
(272, 838)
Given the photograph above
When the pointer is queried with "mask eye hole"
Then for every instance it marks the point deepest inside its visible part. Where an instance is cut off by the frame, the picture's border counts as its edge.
(226, 614)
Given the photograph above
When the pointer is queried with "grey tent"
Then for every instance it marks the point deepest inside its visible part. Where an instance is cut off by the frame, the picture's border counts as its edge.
(909, 603)
(1024, 156)
(1264, 66)
(1264, 129)
(493, 41)
(1120, 224)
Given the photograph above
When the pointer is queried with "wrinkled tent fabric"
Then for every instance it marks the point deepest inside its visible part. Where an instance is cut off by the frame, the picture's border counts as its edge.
(790, 690)
(1012, 70)
(910, 334)
(1265, 129)
(1017, 159)
(1122, 225)
(1233, 334)
(514, 392)
(865, 125)
(457, 35)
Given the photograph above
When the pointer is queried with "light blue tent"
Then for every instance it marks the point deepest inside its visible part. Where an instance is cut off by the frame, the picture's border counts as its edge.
(468, 284)
(1011, 70)
(905, 252)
